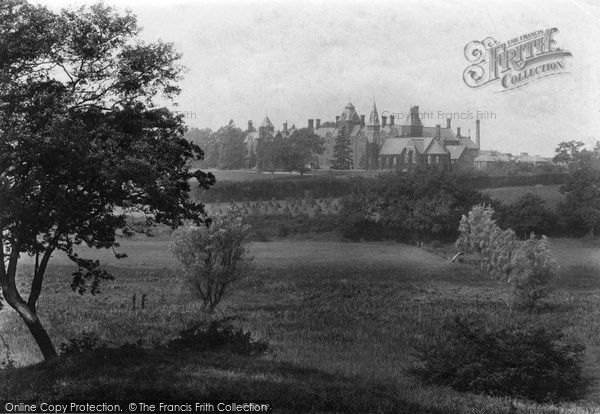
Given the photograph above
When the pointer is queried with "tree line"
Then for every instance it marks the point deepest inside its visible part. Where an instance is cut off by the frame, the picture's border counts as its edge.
(227, 149)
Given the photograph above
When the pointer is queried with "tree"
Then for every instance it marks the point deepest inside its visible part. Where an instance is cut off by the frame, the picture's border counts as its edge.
(422, 205)
(342, 153)
(298, 150)
(82, 143)
(580, 210)
(231, 147)
(269, 153)
(527, 266)
(207, 140)
(214, 256)
(528, 214)
(567, 152)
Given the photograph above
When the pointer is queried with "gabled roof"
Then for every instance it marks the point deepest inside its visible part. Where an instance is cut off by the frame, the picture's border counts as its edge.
(455, 151)
(436, 148)
(349, 114)
(355, 130)
(394, 146)
(267, 123)
(467, 142)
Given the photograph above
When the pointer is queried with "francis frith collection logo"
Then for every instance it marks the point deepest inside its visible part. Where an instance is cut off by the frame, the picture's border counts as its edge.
(514, 63)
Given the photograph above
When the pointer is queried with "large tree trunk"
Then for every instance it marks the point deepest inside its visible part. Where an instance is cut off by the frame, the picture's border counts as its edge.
(14, 299)
(35, 327)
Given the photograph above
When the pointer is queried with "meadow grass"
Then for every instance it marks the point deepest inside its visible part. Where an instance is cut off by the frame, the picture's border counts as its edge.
(340, 317)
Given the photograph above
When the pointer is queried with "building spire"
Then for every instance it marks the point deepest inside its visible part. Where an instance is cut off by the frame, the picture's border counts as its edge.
(374, 117)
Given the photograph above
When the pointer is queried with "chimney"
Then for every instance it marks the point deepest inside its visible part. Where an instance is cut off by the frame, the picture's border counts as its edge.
(383, 121)
(337, 120)
(391, 120)
(285, 127)
(318, 123)
(261, 131)
(448, 123)
(250, 127)
(414, 114)
(311, 124)
(438, 131)
(477, 136)
(458, 132)
(362, 120)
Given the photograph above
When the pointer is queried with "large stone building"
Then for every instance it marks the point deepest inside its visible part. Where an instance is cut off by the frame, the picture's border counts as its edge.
(379, 144)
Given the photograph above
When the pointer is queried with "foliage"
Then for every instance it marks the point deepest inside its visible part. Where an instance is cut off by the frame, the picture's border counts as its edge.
(479, 233)
(82, 142)
(269, 153)
(519, 361)
(215, 256)
(207, 140)
(298, 150)
(532, 269)
(528, 214)
(581, 209)
(231, 146)
(527, 266)
(342, 153)
(85, 342)
(422, 205)
(219, 336)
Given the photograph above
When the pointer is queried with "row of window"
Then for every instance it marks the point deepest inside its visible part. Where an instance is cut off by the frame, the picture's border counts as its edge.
(412, 159)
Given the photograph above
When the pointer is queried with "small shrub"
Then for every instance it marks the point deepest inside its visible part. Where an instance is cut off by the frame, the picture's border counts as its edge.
(85, 342)
(532, 268)
(527, 266)
(218, 336)
(214, 256)
(521, 361)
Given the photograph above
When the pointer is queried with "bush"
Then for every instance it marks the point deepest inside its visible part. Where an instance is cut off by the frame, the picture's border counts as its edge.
(527, 266)
(214, 256)
(218, 336)
(532, 268)
(528, 214)
(516, 361)
(85, 342)
(421, 205)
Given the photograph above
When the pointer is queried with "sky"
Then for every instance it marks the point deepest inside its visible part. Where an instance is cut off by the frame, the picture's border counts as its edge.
(295, 60)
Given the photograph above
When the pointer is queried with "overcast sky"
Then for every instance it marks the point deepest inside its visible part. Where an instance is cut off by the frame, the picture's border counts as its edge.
(300, 60)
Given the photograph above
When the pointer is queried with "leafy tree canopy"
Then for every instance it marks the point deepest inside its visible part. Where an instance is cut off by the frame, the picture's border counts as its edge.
(83, 143)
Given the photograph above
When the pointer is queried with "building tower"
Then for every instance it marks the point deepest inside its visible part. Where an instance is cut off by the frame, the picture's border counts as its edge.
(266, 128)
(373, 139)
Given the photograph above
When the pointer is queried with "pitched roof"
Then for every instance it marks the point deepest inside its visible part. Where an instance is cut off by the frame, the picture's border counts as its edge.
(349, 114)
(467, 142)
(436, 148)
(394, 146)
(267, 123)
(455, 151)
(355, 130)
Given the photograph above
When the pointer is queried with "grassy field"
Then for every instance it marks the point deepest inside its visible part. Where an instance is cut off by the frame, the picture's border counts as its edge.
(341, 318)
